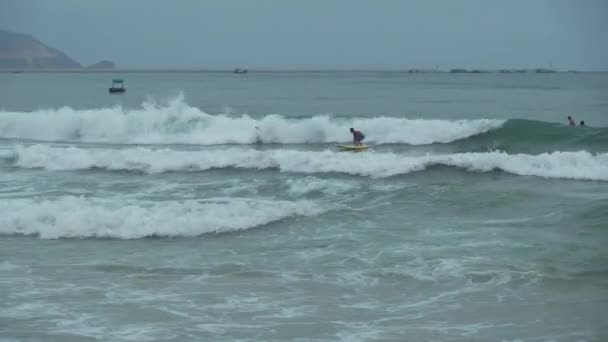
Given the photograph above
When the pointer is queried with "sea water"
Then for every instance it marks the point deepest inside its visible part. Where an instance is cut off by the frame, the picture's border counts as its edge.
(216, 207)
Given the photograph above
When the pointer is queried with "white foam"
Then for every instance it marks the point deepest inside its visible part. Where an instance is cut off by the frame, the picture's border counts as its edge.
(82, 217)
(179, 123)
(6, 266)
(299, 187)
(574, 165)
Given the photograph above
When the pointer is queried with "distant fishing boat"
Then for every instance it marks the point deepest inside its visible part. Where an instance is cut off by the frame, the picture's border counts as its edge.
(118, 87)
(240, 71)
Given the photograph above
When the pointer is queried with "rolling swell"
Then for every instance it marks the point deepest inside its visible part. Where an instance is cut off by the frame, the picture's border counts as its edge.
(179, 123)
(531, 136)
(517, 146)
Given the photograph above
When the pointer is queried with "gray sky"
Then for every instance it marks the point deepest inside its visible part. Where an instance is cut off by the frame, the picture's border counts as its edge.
(320, 34)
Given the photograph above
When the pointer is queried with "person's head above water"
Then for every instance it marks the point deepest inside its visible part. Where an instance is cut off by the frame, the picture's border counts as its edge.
(571, 121)
(352, 129)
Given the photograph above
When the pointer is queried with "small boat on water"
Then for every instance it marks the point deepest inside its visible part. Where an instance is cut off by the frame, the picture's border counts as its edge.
(240, 71)
(118, 87)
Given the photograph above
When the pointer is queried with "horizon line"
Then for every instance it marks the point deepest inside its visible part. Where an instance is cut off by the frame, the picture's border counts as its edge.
(257, 70)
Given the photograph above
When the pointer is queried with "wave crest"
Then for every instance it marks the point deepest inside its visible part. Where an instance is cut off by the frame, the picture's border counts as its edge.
(178, 123)
(79, 217)
(575, 165)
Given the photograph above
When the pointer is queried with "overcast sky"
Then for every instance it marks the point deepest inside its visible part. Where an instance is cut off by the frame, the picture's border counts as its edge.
(320, 34)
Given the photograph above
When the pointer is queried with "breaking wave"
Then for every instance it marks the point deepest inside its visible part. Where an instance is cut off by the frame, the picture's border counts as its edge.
(179, 123)
(79, 217)
(574, 165)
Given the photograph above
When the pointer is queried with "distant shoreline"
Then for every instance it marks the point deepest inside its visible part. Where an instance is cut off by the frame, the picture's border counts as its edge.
(223, 71)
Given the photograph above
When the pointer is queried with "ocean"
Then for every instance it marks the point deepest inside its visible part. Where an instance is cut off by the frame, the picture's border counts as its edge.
(217, 207)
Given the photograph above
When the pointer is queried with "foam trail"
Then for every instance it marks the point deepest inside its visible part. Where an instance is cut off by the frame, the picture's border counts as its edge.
(179, 123)
(574, 165)
(300, 187)
(69, 217)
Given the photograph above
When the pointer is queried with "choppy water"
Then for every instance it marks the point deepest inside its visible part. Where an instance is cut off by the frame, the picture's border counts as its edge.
(165, 215)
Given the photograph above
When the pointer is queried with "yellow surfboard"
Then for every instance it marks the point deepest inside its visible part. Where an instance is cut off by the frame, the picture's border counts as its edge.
(353, 147)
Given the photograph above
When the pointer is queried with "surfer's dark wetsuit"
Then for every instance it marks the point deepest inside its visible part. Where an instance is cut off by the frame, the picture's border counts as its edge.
(357, 136)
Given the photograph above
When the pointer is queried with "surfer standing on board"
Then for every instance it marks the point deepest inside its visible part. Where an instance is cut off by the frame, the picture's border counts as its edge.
(357, 137)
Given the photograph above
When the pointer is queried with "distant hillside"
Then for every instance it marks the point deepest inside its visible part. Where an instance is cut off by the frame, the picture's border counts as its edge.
(24, 52)
(20, 51)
